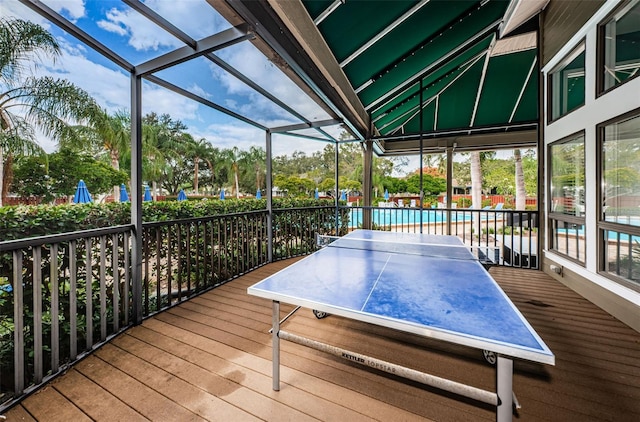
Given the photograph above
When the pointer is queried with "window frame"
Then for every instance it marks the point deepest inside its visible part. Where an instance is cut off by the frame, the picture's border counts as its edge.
(580, 48)
(616, 14)
(552, 216)
(603, 226)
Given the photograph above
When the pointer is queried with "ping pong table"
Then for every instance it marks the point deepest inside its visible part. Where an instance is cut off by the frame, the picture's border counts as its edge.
(429, 285)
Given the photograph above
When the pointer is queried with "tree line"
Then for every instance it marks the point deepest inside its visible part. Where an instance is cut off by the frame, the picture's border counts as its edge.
(95, 147)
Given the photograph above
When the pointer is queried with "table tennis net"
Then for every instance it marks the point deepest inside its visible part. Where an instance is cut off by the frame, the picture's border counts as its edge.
(423, 249)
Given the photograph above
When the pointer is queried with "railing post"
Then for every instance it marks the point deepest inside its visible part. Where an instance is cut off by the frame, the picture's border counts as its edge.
(136, 196)
(337, 178)
(269, 181)
(449, 187)
(367, 183)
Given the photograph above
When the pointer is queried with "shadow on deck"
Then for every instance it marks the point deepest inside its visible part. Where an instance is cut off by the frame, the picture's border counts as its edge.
(210, 359)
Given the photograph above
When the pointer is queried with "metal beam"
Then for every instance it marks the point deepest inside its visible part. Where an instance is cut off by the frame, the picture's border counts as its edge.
(466, 67)
(204, 101)
(309, 125)
(204, 46)
(57, 19)
(313, 138)
(483, 77)
(150, 14)
(328, 11)
(278, 37)
(269, 183)
(136, 197)
(252, 84)
(524, 87)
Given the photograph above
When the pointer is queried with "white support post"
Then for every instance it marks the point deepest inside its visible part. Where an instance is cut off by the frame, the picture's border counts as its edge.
(505, 389)
(276, 345)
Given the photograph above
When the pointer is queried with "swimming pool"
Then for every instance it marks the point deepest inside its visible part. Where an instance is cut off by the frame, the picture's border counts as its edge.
(408, 216)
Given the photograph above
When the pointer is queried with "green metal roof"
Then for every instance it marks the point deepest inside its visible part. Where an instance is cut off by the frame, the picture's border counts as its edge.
(388, 50)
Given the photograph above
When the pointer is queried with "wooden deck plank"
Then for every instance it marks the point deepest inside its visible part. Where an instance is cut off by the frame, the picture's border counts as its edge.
(41, 404)
(216, 385)
(20, 414)
(151, 404)
(93, 400)
(230, 345)
(207, 406)
(210, 358)
(256, 372)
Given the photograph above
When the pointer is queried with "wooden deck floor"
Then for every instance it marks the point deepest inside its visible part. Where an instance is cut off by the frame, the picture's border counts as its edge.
(210, 359)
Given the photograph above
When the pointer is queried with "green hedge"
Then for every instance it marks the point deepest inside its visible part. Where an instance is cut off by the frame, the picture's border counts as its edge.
(22, 221)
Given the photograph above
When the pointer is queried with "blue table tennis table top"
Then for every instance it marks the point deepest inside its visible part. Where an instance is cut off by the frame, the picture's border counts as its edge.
(430, 285)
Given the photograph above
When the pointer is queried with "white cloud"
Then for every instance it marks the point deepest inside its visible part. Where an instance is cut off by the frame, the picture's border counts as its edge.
(18, 10)
(73, 9)
(196, 18)
(162, 101)
(143, 34)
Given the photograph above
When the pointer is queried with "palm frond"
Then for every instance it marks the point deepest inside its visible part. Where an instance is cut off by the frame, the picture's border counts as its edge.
(53, 105)
(20, 42)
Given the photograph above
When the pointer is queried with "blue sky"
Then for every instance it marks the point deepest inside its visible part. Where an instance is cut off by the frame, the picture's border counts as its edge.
(136, 39)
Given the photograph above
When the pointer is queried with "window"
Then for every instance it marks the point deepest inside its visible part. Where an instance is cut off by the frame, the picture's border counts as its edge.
(620, 45)
(566, 83)
(619, 224)
(566, 193)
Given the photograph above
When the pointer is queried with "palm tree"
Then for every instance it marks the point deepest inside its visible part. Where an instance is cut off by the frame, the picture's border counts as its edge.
(27, 101)
(476, 180)
(200, 150)
(110, 134)
(254, 163)
(164, 142)
(231, 158)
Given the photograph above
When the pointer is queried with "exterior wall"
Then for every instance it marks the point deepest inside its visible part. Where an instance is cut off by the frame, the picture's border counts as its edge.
(562, 19)
(621, 301)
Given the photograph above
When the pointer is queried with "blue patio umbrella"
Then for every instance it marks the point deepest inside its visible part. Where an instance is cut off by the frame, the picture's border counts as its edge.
(182, 196)
(258, 194)
(343, 195)
(82, 195)
(222, 194)
(124, 196)
(316, 194)
(147, 194)
(386, 195)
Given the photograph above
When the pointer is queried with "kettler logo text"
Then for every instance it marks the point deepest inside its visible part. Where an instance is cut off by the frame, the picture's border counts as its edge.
(353, 358)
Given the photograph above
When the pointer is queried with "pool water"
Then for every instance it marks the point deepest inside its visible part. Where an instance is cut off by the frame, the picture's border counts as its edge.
(406, 216)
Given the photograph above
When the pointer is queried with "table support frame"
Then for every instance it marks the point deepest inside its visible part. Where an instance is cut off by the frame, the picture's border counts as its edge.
(502, 399)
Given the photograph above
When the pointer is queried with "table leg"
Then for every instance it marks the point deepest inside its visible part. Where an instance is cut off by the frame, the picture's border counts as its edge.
(275, 342)
(505, 389)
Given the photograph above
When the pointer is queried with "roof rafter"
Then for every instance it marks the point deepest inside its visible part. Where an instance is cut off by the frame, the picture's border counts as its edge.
(384, 32)
(203, 101)
(328, 11)
(433, 66)
(524, 87)
(150, 14)
(465, 67)
(483, 76)
(45, 11)
(308, 125)
(204, 46)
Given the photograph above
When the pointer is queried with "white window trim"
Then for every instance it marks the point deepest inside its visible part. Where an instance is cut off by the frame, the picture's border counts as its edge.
(598, 17)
